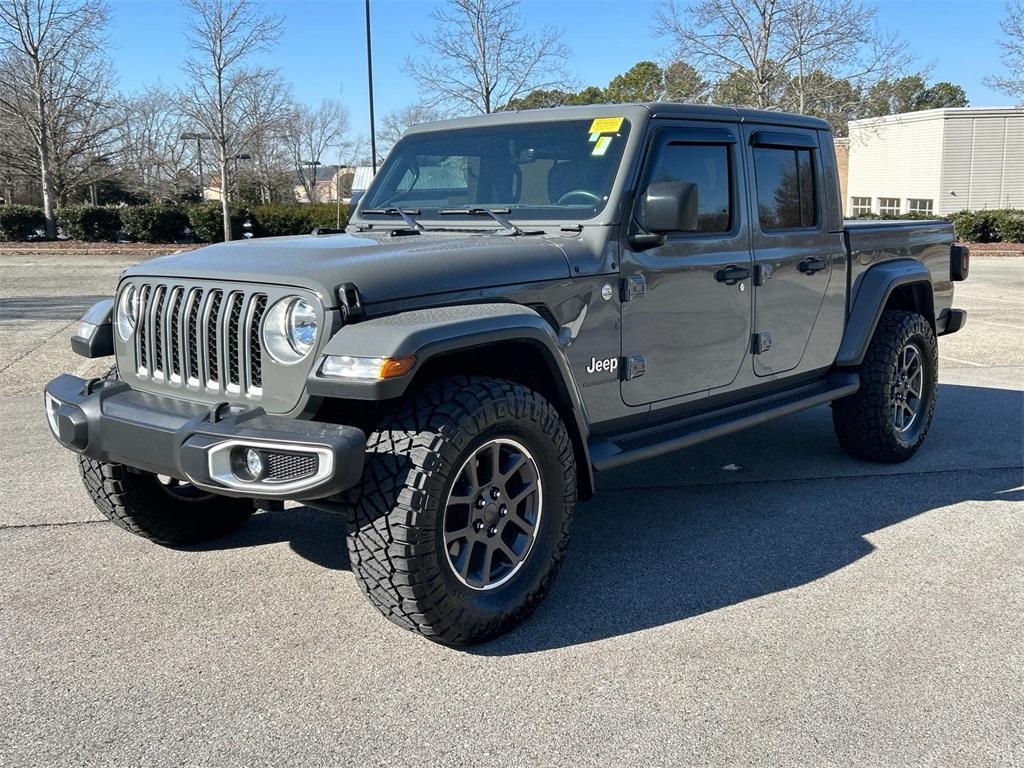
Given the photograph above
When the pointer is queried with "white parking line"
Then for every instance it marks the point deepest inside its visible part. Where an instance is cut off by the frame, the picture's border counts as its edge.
(992, 322)
(961, 295)
(965, 362)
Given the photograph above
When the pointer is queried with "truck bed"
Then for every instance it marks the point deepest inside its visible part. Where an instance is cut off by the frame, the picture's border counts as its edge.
(871, 242)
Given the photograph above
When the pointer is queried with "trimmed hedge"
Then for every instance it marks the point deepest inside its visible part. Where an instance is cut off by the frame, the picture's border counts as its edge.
(207, 222)
(167, 223)
(17, 222)
(1010, 226)
(89, 222)
(914, 216)
(326, 214)
(997, 225)
(155, 223)
(277, 220)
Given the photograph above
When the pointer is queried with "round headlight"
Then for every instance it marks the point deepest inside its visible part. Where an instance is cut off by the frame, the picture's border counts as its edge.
(290, 330)
(127, 312)
(302, 326)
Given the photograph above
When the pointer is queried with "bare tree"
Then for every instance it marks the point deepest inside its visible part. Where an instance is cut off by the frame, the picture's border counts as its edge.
(394, 124)
(836, 50)
(1012, 84)
(83, 131)
(268, 113)
(479, 58)
(152, 153)
(223, 35)
(768, 49)
(316, 131)
(52, 65)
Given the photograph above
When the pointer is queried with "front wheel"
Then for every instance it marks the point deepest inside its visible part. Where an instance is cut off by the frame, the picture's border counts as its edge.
(164, 510)
(463, 515)
(888, 418)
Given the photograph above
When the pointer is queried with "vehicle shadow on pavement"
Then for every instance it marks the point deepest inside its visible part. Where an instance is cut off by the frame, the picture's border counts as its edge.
(313, 534)
(642, 557)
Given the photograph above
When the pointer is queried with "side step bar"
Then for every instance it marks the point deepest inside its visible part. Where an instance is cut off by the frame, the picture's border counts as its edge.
(665, 438)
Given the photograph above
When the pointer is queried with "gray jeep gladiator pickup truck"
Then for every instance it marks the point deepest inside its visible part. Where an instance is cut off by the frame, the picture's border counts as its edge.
(519, 301)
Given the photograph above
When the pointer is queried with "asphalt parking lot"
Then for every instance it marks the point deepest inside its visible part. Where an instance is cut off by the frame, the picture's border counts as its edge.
(759, 600)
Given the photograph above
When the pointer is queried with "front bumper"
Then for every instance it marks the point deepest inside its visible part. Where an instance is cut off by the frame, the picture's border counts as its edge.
(109, 421)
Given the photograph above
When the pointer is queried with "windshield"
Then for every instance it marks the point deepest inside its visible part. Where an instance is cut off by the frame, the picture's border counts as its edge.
(552, 170)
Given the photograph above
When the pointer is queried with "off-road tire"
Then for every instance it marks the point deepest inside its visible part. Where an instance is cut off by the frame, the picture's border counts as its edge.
(171, 514)
(164, 511)
(395, 525)
(864, 421)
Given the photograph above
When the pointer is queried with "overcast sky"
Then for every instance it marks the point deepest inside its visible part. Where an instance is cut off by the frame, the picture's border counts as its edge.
(323, 50)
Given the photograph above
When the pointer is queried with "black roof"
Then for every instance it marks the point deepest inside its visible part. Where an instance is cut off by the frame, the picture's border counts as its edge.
(634, 111)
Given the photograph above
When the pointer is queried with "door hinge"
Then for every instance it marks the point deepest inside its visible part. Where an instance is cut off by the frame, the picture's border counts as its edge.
(634, 366)
(762, 342)
(763, 273)
(633, 287)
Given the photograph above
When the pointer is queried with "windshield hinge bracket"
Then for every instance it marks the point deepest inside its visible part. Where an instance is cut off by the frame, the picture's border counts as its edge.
(351, 303)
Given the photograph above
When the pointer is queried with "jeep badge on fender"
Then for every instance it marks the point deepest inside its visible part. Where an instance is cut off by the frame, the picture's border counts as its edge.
(610, 364)
(422, 373)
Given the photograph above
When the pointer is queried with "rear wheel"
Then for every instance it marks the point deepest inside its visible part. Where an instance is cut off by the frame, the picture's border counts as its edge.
(888, 418)
(464, 512)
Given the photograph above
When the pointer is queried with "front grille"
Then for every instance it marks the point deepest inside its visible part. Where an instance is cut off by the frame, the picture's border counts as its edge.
(203, 337)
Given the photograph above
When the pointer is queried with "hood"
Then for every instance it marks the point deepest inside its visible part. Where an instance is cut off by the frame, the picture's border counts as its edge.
(384, 267)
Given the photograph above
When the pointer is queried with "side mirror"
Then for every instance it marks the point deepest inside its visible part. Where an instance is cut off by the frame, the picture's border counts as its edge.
(670, 206)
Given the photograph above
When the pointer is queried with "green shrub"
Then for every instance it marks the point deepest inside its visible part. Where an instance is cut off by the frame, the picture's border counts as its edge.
(206, 220)
(974, 226)
(326, 214)
(17, 222)
(155, 223)
(1009, 226)
(275, 220)
(997, 225)
(89, 222)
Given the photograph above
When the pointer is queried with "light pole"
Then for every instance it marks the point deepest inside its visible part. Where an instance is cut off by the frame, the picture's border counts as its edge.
(312, 169)
(198, 138)
(234, 170)
(369, 79)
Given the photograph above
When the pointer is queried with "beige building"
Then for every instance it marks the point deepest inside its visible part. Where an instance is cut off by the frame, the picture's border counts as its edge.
(938, 161)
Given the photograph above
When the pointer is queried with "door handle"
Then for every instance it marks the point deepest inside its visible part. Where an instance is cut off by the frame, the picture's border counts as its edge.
(732, 274)
(811, 265)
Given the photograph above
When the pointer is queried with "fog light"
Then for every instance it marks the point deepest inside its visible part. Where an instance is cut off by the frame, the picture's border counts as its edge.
(254, 463)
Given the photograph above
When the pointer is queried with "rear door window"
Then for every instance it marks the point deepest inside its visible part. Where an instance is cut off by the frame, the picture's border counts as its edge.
(786, 188)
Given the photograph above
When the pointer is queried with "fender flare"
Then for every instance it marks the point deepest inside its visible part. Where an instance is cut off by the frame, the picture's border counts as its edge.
(431, 333)
(876, 285)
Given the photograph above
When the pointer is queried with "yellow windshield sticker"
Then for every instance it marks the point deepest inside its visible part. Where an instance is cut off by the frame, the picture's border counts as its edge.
(606, 124)
(602, 145)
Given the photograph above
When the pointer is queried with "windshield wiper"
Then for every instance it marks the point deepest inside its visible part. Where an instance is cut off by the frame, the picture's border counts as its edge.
(407, 216)
(498, 214)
